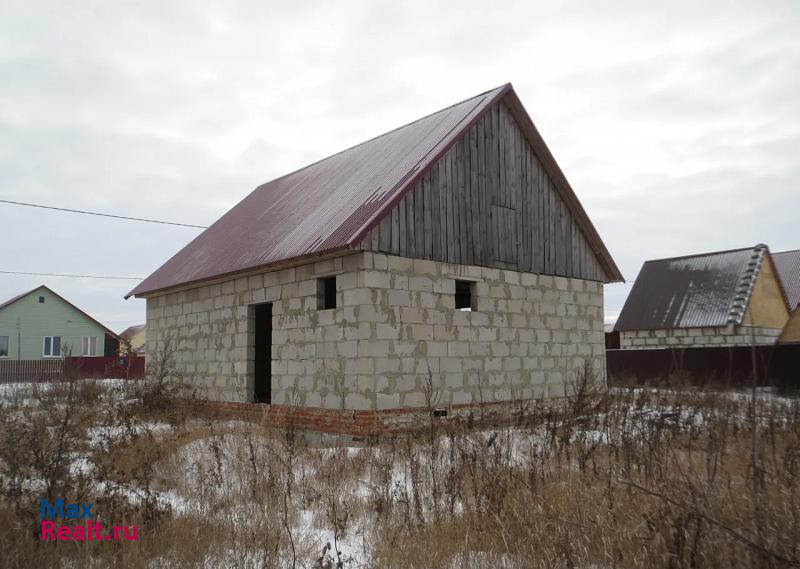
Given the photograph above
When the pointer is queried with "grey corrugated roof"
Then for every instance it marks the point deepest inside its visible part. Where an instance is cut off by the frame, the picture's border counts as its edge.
(712, 289)
(787, 264)
(332, 204)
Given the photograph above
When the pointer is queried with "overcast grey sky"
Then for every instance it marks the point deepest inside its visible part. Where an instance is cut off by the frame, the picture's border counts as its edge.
(677, 123)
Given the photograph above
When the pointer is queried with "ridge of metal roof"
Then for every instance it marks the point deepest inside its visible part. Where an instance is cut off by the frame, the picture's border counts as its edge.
(331, 204)
(709, 254)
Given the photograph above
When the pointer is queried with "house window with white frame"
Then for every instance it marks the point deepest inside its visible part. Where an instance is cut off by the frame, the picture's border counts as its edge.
(89, 346)
(3, 346)
(51, 346)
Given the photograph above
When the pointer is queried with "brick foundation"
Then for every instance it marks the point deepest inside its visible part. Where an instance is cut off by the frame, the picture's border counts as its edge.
(371, 423)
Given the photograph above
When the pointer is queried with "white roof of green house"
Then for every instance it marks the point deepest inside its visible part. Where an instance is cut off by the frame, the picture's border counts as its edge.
(28, 319)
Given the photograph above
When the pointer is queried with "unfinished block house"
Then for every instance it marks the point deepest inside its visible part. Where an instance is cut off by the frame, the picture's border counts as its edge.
(446, 262)
(727, 298)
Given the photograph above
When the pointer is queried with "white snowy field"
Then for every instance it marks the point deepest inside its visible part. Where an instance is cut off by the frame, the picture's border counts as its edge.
(601, 484)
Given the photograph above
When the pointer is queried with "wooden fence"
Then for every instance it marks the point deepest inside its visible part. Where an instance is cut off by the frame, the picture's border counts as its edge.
(57, 369)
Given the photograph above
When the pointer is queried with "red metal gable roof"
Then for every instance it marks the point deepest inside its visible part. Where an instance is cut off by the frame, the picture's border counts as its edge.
(321, 207)
(331, 204)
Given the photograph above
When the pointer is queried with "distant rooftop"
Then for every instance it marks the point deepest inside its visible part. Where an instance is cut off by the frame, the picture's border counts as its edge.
(708, 289)
(787, 264)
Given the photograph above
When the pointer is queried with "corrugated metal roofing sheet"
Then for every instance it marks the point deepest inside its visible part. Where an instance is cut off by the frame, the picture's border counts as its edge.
(712, 289)
(320, 207)
(787, 264)
(331, 204)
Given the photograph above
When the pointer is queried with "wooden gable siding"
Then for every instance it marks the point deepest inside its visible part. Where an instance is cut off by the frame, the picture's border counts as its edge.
(488, 202)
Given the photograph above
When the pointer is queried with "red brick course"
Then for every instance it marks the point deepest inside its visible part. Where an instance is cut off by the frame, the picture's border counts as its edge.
(367, 423)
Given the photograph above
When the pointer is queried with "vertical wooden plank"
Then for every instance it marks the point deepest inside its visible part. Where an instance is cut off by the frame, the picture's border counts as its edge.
(385, 230)
(470, 206)
(423, 227)
(556, 205)
(494, 176)
(428, 215)
(567, 238)
(533, 208)
(411, 241)
(545, 224)
(396, 229)
(519, 198)
(501, 138)
(448, 189)
(466, 204)
(475, 196)
(441, 190)
(375, 236)
(459, 202)
(481, 257)
(554, 208)
(527, 225)
(402, 230)
(559, 231)
(539, 222)
(434, 212)
(419, 220)
(551, 269)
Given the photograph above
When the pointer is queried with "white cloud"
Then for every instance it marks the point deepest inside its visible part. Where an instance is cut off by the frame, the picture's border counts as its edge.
(677, 123)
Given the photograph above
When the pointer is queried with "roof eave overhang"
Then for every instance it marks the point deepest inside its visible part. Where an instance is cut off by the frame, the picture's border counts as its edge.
(250, 271)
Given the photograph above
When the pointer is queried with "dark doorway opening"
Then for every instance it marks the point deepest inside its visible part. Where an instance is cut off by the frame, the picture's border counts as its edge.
(262, 368)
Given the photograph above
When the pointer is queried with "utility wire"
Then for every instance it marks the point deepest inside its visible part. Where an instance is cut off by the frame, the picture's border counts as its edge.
(103, 214)
(71, 276)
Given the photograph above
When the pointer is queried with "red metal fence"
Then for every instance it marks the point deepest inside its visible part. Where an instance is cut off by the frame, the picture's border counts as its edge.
(36, 371)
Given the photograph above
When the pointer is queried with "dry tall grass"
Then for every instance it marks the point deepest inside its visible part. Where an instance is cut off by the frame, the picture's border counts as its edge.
(634, 478)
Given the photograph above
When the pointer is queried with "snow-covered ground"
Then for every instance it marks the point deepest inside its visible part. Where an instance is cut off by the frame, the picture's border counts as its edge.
(215, 469)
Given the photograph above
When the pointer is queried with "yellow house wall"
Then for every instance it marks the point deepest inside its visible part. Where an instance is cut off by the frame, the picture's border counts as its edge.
(791, 334)
(138, 339)
(767, 305)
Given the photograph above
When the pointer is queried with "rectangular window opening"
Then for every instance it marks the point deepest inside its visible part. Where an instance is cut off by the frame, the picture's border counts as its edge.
(326, 293)
(465, 296)
(89, 346)
(41, 300)
(51, 346)
(3, 346)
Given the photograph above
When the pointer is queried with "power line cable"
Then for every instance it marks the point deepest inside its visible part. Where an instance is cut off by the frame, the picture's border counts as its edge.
(70, 276)
(64, 209)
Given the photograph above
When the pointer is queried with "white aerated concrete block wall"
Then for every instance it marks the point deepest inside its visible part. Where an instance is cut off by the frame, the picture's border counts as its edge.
(395, 339)
(712, 336)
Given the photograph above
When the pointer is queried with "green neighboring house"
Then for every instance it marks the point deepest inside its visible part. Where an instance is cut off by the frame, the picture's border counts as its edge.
(40, 324)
